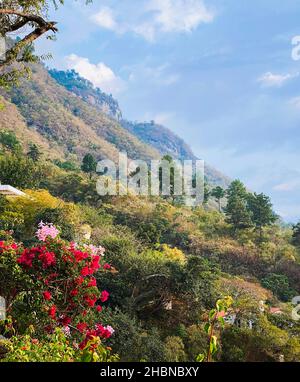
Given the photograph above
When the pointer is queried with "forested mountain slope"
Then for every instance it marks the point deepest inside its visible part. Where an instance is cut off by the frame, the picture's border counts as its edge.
(69, 122)
(158, 137)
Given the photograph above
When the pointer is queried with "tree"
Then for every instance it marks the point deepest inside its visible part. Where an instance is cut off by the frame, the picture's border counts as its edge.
(279, 285)
(296, 235)
(218, 193)
(237, 212)
(89, 164)
(206, 194)
(261, 211)
(9, 141)
(20, 172)
(34, 152)
(15, 15)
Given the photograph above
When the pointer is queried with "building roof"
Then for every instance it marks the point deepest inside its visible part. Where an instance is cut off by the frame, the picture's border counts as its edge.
(10, 191)
(274, 310)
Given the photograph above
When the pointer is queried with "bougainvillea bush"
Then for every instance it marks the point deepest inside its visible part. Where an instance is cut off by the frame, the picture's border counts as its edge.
(52, 285)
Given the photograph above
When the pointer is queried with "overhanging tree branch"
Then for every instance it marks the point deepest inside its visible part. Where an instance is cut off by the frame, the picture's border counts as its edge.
(42, 27)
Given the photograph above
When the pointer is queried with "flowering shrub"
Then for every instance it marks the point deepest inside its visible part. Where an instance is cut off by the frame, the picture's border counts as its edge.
(45, 231)
(57, 348)
(63, 290)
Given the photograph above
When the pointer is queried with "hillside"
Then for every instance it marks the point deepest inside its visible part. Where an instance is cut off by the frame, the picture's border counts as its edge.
(156, 136)
(86, 91)
(68, 122)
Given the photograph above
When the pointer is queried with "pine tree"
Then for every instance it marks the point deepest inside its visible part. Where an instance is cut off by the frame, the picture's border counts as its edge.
(261, 208)
(218, 193)
(206, 194)
(237, 211)
(89, 164)
(296, 235)
(34, 152)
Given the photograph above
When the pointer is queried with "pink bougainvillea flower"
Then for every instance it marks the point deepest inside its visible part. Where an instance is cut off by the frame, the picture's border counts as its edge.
(96, 251)
(46, 230)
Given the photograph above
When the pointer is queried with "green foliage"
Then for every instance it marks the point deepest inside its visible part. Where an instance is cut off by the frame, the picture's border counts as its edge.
(9, 141)
(215, 316)
(174, 349)
(20, 172)
(66, 165)
(73, 82)
(265, 344)
(34, 152)
(261, 211)
(237, 212)
(54, 348)
(296, 235)
(89, 164)
(63, 218)
(218, 193)
(279, 285)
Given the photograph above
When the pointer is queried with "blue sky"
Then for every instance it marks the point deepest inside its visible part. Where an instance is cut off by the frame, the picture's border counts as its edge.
(219, 73)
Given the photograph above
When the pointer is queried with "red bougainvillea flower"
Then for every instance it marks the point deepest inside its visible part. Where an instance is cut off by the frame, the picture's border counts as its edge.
(65, 320)
(48, 259)
(47, 295)
(90, 300)
(52, 312)
(95, 263)
(72, 296)
(85, 271)
(104, 331)
(104, 296)
(26, 258)
(92, 282)
(82, 327)
(79, 280)
(74, 292)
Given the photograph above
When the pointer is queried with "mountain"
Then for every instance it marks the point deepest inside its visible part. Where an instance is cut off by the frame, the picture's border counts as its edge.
(68, 117)
(167, 142)
(86, 91)
(155, 135)
(160, 137)
(71, 125)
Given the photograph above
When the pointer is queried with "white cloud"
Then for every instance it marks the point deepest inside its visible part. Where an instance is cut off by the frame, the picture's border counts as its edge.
(295, 102)
(160, 75)
(99, 74)
(163, 118)
(105, 18)
(270, 79)
(157, 16)
(179, 15)
(287, 186)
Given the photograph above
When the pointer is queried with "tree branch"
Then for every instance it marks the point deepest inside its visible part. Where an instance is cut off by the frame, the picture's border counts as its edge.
(42, 28)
